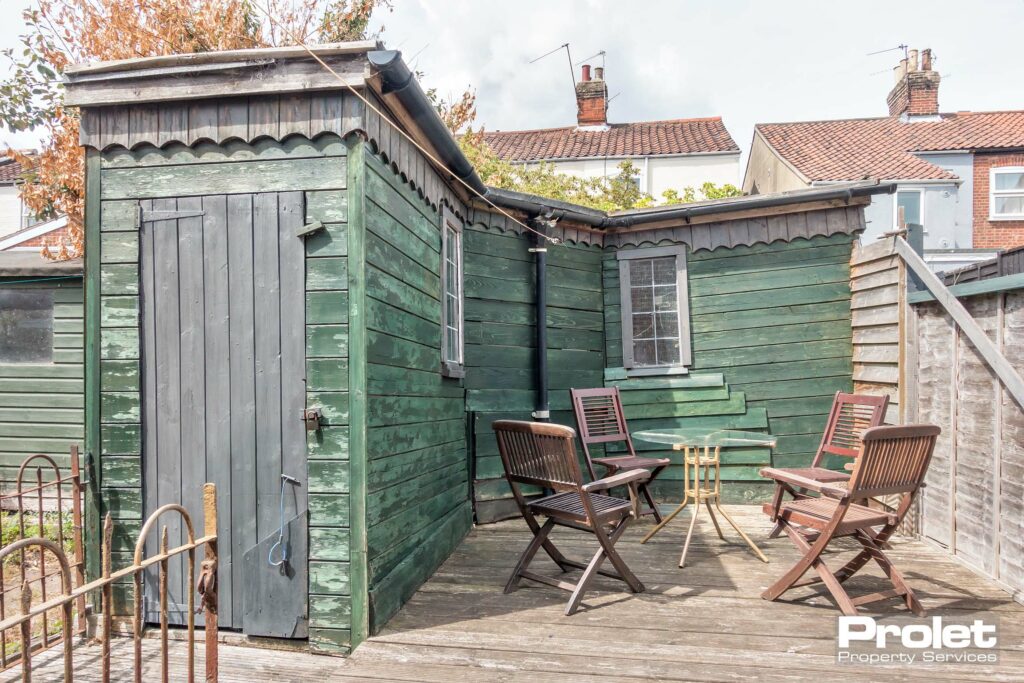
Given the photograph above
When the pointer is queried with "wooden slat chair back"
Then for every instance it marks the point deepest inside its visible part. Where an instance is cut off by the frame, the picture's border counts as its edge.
(850, 417)
(601, 420)
(544, 455)
(540, 454)
(892, 461)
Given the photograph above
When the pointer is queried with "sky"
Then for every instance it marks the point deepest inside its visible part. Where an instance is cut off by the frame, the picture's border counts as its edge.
(748, 62)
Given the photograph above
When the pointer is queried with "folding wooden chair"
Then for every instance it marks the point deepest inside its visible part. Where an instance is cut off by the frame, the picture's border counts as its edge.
(850, 416)
(892, 461)
(600, 419)
(543, 454)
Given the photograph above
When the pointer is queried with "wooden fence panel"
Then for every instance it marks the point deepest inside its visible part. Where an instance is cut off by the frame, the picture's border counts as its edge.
(876, 279)
(973, 502)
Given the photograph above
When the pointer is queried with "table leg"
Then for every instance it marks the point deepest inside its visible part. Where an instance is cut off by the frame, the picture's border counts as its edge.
(714, 520)
(686, 496)
(665, 521)
(689, 534)
(753, 546)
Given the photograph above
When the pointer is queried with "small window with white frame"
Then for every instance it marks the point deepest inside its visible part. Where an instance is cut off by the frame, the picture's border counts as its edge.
(452, 347)
(655, 310)
(911, 204)
(1006, 190)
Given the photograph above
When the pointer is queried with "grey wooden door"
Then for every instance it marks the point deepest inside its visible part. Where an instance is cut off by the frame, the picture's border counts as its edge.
(223, 326)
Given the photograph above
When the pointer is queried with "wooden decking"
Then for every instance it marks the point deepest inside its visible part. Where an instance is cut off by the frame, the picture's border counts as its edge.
(705, 622)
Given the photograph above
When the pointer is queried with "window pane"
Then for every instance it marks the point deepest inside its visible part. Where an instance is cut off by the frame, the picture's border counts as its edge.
(668, 325)
(644, 353)
(910, 202)
(26, 326)
(642, 299)
(1010, 206)
(665, 271)
(1009, 181)
(668, 351)
(665, 298)
(640, 272)
(643, 326)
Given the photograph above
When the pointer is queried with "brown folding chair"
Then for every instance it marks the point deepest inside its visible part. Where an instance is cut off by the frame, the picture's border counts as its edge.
(600, 419)
(543, 454)
(850, 416)
(892, 461)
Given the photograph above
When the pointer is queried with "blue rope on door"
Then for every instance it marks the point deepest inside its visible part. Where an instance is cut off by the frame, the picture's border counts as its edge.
(285, 480)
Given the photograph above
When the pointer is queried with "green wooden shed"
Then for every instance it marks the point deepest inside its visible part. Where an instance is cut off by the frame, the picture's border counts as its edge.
(287, 297)
(41, 369)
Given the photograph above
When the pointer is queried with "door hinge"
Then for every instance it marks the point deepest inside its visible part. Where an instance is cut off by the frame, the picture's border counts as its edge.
(153, 216)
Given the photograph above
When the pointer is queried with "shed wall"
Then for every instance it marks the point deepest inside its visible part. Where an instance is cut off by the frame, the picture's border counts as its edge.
(771, 345)
(417, 470)
(41, 404)
(118, 179)
(501, 357)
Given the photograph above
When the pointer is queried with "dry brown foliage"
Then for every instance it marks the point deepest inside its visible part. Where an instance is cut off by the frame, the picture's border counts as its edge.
(63, 32)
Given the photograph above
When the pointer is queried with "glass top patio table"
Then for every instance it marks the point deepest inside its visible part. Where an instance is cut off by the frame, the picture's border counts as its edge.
(698, 437)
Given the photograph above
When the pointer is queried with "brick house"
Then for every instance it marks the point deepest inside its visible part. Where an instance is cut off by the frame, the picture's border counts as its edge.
(960, 175)
(671, 154)
(19, 229)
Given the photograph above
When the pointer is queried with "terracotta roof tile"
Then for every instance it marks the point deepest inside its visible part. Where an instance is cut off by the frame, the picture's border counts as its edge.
(647, 138)
(882, 148)
(10, 171)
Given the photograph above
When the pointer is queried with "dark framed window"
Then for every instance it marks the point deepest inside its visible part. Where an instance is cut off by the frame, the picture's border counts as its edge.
(655, 310)
(452, 346)
(26, 326)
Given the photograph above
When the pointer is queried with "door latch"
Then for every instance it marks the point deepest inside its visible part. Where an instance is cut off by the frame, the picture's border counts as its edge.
(312, 417)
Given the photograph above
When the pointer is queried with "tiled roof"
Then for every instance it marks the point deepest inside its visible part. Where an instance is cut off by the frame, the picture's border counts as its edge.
(647, 138)
(882, 148)
(10, 171)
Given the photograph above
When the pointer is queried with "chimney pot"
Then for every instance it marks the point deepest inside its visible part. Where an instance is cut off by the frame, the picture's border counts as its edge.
(591, 99)
(913, 61)
(598, 73)
(926, 60)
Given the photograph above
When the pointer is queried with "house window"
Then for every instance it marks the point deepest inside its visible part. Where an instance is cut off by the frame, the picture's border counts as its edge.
(26, 326)
(1007, 193)
(655, 310)
(912, 204)
(451, 296)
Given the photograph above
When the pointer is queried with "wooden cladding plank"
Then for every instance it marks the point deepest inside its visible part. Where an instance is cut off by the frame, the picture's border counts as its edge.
(119, 247)
(205, 179)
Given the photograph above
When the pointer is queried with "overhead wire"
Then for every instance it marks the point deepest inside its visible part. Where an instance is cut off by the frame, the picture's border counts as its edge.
(302, 43)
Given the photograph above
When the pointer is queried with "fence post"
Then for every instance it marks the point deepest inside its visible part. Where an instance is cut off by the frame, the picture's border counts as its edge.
(26, 633)
(107, 595)
(209, 580)
(76, 533)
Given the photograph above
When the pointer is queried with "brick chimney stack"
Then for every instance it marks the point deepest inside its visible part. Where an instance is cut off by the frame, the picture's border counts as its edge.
(916, 92)
(591, 99)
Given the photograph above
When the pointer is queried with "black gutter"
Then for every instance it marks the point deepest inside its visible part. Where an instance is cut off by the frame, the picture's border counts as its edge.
(398, 80)
(540, 253)
(599, 219)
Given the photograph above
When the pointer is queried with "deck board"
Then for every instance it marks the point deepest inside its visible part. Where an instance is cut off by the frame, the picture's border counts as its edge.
(706, 622)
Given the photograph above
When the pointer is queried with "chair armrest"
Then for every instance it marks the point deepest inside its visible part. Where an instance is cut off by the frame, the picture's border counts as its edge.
(783, 476)
(620, 479)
